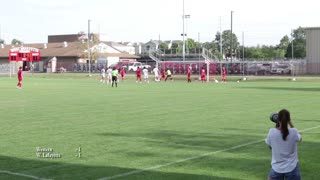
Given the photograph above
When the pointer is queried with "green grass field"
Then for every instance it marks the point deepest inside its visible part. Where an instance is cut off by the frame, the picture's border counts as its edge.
(154, 131)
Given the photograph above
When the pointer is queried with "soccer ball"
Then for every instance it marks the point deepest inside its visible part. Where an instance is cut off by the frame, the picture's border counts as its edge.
(216, 81)
(238, 81)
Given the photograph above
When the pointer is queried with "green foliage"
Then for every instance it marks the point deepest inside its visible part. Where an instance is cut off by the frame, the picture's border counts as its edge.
(282, 50)
(264, 52)
(299, 44)
(83, 47)
(16, 41)
(2, 41)
(191, 43)
(211, 46)
(226, 43)
(164, 45)
(175, 45)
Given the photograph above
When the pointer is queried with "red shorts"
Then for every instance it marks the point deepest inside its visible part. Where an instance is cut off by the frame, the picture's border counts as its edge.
(20, 79)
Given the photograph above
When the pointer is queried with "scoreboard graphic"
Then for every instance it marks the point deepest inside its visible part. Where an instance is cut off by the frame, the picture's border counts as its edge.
(28, 54)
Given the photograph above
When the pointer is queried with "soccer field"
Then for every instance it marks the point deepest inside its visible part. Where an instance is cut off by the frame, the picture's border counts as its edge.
(171, 130)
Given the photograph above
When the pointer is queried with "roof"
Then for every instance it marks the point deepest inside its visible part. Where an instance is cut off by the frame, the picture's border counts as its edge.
(53, 49)
(312, 28)
(57, 49)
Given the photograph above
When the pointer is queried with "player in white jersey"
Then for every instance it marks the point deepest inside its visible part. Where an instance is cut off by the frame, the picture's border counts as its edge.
(156, 74)
(109, 76)
(145, 74)
(103, 75)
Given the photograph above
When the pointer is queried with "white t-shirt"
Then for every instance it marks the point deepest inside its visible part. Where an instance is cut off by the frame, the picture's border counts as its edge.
(145, 73)
(109, 71)
(156, 72)
(284, 153)
(103, 72)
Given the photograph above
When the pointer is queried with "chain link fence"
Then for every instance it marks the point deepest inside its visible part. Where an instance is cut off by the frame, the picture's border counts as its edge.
(246, 68)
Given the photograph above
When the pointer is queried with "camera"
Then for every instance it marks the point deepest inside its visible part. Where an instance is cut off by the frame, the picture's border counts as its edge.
(274, 117)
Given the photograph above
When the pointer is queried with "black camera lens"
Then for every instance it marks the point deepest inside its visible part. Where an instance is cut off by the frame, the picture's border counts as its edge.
(274, 117)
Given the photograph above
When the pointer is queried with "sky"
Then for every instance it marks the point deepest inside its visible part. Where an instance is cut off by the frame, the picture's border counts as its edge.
(255, 22)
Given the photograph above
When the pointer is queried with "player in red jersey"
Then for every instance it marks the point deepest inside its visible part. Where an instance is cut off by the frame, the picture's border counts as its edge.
(203, 74)
(163, 74)
(19, 85)
(122, 72)
(224, 74)
(138, 74)
(189, 74)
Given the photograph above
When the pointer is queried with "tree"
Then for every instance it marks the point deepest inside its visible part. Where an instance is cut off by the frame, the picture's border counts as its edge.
(284, 42)
(299, 44)
(175, 45)
(2, 41)
(164, 45)
(191, 46)
(191, 43)
(16, 41)
(281, 49)
(226, 43)
(83, 46)
(211, 46)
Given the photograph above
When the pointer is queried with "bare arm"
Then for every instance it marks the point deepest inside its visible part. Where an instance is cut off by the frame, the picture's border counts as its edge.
(290, 124)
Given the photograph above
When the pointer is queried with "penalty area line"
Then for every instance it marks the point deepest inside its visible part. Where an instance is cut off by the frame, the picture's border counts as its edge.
(23, 175)
(190, 158)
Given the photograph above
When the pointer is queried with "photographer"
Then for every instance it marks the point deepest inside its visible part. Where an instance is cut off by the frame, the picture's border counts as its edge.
(283, 143)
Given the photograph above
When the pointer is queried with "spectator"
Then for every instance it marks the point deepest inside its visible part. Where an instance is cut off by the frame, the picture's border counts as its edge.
(283, 143)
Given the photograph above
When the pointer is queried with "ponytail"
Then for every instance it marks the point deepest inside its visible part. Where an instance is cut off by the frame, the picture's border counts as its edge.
(284, 118)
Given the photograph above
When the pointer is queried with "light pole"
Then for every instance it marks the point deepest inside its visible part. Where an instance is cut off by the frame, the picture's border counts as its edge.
(221, 39)
(231, 39)
(183, 46)
(187, 16)
(88, 44)
(292, 57)
(242, 55)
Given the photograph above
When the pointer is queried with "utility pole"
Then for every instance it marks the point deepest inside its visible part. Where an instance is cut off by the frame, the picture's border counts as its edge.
(184, 45)
(199, 44)
(292, 56)
(242, 55)
(221, 39)
(231, 39)
(88, 43)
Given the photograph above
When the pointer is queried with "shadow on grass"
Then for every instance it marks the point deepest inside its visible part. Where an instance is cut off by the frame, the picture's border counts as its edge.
(312, 89)
(235, 166)
(57, 170)
(190, 140)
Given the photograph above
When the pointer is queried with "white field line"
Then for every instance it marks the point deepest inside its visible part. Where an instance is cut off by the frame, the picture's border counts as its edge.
(190, 158)
(23, 175)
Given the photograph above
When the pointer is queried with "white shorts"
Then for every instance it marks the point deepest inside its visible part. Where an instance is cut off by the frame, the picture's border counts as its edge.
(146, 76)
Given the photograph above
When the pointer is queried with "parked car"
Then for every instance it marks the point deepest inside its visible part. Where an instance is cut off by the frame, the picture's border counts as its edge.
(134, 66)
(258, 69)
(281, 69)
